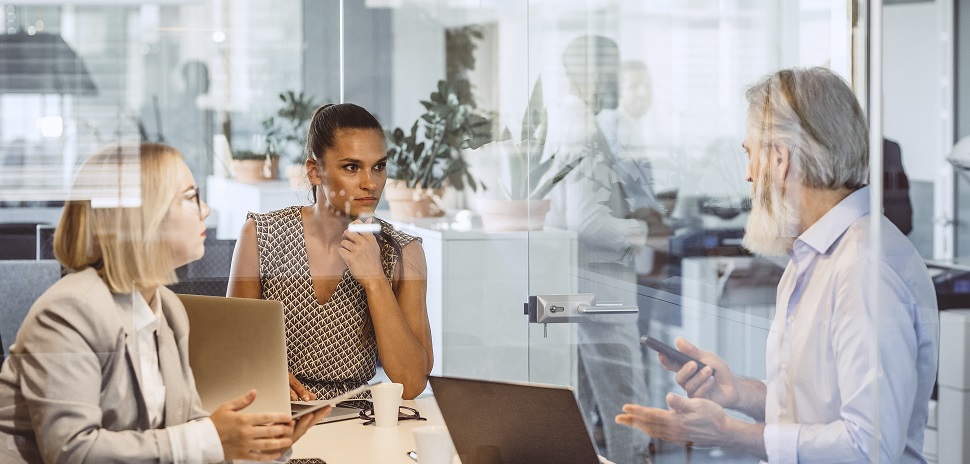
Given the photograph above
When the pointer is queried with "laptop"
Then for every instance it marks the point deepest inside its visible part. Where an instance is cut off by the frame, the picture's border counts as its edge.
(511, 423)
(239, 344)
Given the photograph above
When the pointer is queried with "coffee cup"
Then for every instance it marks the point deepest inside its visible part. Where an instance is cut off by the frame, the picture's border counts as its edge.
(434, 445)
(387, 401)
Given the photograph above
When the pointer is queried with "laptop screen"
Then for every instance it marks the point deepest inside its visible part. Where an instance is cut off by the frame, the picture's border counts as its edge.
(238, 344)
(510, 423)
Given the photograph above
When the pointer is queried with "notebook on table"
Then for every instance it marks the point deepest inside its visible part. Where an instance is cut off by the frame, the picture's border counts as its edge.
(512, 423)
(239, 344)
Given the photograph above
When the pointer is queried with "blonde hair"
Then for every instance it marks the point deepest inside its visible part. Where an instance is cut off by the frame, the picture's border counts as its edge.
(113, 220)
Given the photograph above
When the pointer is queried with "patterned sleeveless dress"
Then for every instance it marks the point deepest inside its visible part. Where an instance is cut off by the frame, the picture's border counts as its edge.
(331, 348)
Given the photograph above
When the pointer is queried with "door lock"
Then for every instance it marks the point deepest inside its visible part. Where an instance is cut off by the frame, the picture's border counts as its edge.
(579, 307)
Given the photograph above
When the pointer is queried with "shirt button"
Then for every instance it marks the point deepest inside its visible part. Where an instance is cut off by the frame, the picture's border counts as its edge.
(791, 319)
(784, 366)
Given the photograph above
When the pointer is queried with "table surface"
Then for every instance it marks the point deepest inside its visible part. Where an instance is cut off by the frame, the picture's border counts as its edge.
(349, 441)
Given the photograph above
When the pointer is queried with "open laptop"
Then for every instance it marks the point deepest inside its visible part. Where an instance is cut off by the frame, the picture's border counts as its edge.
(512, 423)
(238, 344)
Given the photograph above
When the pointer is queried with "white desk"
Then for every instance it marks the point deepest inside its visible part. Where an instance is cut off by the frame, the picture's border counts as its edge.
(350, 442)
(231, 201)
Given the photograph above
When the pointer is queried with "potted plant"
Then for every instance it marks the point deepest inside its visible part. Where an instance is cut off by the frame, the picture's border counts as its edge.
(523, 178)
(249, 166)
(285, 133)
(428, 158)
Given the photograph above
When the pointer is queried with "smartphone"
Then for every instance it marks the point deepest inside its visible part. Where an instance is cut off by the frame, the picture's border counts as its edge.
(302, 408)
(671, 353)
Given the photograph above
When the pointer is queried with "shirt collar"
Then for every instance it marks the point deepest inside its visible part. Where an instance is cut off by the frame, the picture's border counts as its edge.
(142, 315)
(824, 233)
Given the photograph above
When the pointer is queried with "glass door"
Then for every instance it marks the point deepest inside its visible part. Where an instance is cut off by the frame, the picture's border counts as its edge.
(646, 103)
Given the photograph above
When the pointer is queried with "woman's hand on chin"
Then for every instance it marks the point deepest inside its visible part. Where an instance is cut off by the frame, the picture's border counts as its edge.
(362, 254)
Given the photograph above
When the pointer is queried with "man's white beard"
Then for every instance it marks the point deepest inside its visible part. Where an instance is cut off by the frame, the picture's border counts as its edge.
(771, 227)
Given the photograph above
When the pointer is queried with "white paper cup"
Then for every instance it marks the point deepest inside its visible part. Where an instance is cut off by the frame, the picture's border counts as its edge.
(434, 445)
(387, 400)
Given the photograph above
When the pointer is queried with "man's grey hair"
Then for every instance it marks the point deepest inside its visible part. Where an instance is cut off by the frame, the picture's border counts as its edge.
(813, 113)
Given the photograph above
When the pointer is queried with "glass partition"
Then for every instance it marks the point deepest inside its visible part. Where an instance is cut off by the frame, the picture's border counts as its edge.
(657, 91)
(617, 125)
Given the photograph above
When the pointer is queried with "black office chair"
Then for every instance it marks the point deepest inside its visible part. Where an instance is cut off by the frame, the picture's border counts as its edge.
(209, 275)
(18, 240)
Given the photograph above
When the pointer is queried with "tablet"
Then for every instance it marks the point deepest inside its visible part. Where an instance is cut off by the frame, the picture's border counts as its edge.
(302, 408)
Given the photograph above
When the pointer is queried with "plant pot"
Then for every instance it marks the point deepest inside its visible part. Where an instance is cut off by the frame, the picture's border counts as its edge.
(512, 215)
(296, 175)
(410, 203)
(256, 170)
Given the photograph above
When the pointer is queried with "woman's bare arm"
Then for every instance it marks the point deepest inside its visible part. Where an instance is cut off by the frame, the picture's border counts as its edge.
(401, 322)
(244, 270)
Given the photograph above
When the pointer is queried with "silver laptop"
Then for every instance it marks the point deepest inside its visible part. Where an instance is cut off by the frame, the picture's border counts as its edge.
(511, 423)
(239, 344)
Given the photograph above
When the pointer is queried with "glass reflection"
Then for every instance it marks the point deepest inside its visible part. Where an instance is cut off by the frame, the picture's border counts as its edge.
(593, 201)
(652, 112)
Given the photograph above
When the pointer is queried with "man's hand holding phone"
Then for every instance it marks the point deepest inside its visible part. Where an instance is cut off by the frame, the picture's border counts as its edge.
(701, 381)
(670, 354)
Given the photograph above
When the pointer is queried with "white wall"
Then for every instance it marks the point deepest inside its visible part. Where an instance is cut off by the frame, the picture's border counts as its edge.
(912, 98)
(418, 62)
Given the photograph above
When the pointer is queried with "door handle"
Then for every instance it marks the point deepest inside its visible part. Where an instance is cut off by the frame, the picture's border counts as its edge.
(606, 308)
(577, 307)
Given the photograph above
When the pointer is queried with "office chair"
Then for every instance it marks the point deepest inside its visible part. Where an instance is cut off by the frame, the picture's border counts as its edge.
(23, 282)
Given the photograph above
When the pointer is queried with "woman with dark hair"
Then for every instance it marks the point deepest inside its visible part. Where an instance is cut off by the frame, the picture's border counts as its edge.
(348, 294)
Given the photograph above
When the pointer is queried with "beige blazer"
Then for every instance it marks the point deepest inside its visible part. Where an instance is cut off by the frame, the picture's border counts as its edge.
(70, 390)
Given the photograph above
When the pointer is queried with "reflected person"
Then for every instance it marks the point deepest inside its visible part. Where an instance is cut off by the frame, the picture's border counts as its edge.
(185, 121)
(627, 142)
(848, 378)
(191, 120)
(99, 371)
(592, 202)
(348, 295)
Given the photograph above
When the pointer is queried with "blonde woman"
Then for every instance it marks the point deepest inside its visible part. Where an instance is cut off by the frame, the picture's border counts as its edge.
(99, 371)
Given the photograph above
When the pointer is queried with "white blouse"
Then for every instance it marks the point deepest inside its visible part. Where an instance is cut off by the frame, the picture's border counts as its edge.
(192, 442)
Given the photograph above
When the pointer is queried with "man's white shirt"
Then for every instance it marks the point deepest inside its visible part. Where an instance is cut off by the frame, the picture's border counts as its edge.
(849, 379)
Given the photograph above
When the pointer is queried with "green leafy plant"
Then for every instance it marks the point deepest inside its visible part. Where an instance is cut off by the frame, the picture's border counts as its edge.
(285, 132)
(248, 155)
(460, 45)
(430, 154)
(524, 175)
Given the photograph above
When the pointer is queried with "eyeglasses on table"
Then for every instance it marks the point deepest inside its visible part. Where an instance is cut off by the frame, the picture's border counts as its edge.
(404, 413)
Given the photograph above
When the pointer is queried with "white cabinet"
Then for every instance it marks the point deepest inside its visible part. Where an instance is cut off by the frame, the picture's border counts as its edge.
(953, 403)
(231, 200)
(478, 283)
